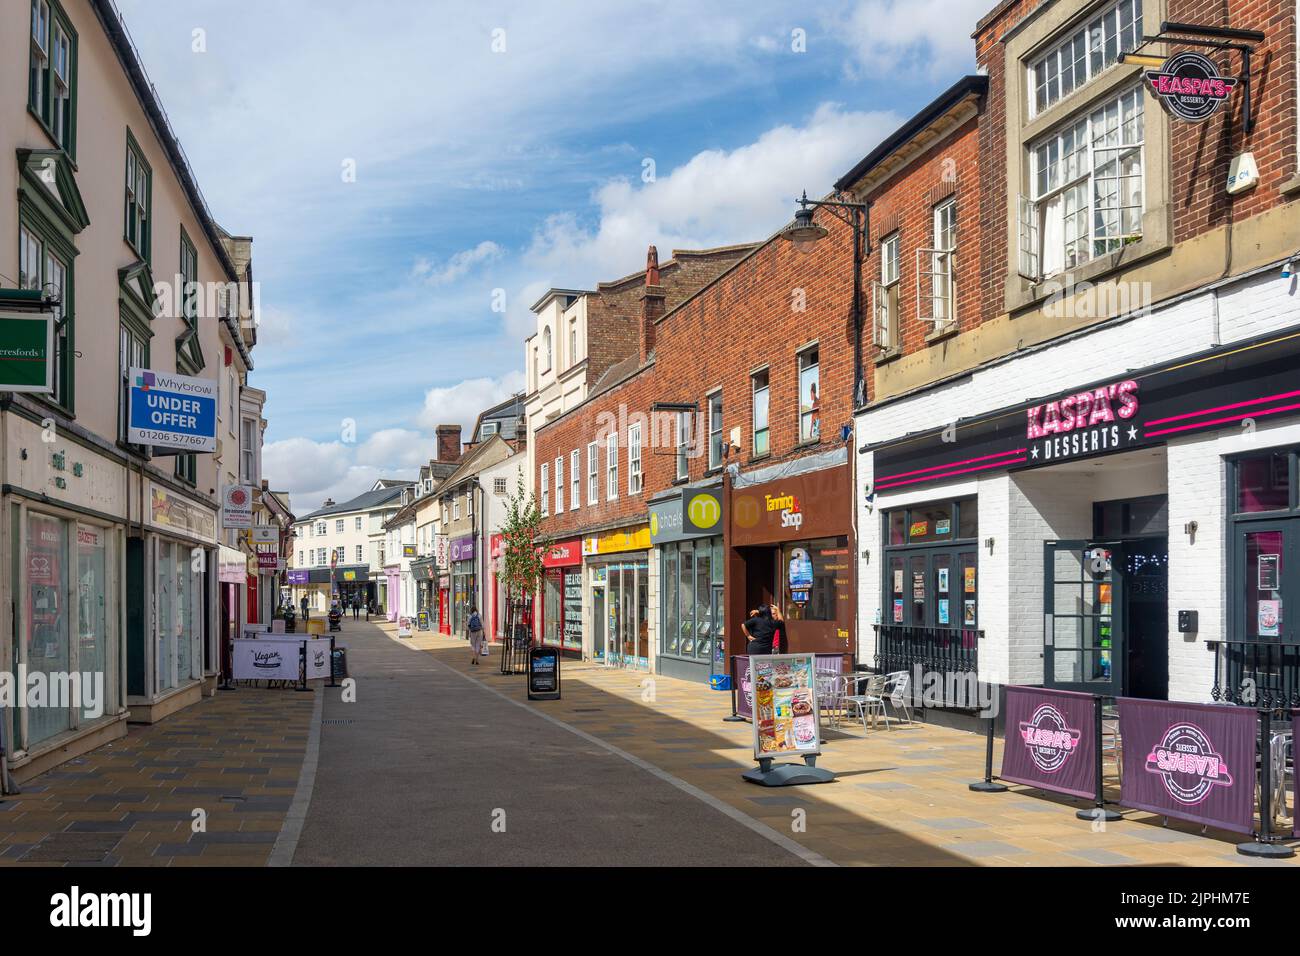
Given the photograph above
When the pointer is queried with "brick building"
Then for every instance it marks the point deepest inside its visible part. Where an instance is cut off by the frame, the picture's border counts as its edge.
(1091, 480)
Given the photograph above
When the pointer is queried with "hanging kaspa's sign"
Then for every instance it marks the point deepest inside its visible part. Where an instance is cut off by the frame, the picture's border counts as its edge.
(172, 411)
(26, 348)
(236, 506)
(1190, 87)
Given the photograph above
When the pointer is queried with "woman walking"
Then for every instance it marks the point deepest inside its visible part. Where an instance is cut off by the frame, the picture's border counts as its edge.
(475, 625)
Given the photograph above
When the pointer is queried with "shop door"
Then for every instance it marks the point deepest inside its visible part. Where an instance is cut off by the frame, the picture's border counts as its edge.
(1266, 556)
(1083, 643)
(717, 614)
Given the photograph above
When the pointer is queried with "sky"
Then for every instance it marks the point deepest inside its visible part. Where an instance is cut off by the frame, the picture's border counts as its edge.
(416, 174)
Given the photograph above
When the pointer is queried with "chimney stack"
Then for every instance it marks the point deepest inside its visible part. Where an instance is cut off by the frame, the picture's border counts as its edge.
(329, 503)
(448, 443)
(653, 297)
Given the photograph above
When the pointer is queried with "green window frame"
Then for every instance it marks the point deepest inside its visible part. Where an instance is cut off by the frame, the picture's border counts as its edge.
(189, 260)
(187, 468)
(132, 350)
(137, 225)
(52, 73)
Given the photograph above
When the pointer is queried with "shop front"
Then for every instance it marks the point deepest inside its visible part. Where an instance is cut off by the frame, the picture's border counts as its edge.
(617, 565)
(686, 531)
(424, 571)
(560, 622)
(790, 543)
(174, 575)
(393, 590)
(464, 583)
(1134, 535)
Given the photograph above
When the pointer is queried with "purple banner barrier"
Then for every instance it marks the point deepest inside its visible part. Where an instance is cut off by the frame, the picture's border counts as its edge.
(744, 688)
(1051, 740)
(1191, 761)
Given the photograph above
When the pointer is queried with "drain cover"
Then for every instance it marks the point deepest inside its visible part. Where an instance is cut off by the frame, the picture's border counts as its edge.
(336, 721)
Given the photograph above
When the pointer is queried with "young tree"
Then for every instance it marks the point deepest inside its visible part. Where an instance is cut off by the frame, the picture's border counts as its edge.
(523, 546)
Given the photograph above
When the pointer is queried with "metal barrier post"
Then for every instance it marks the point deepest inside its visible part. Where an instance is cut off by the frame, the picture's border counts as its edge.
(333, 679)
(1098, 811)
(1263, 845)
(988, 785)
(302, 668)
(735, 689)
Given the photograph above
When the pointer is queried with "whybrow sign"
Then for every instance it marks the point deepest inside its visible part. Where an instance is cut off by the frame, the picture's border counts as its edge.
(1226, 387)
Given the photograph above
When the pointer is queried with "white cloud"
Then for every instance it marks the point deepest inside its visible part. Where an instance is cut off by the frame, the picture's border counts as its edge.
(716, 198)
(461, 403)
(458, 265)
(930, 36)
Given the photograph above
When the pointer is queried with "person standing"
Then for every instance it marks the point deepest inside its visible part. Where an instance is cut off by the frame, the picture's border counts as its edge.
(304, 607)
(761, 630)
(781, 637)
(356, 607)
(475, 625)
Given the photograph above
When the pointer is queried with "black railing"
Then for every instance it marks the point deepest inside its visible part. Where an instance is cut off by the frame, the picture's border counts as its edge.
(517, 638)
(944, 650)
(1256, 673)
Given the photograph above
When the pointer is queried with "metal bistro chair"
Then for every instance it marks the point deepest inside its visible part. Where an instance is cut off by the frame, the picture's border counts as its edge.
(869, 701)
(830, 697)
(1280, 753)
(896, 693)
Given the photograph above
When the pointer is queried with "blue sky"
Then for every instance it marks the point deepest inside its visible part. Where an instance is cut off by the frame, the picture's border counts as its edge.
(518, 169)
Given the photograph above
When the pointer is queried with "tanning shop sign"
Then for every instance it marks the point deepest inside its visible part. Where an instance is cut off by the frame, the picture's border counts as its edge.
(172, 411)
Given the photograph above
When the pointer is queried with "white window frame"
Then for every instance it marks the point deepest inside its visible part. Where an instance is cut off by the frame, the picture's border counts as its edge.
(766, 429)
(338, 526)
(546, 489)
(885, 295)
(559, 484)
(611, 467)
(634, 477)
(814, 412)
(936, 272)
(682, 444)
(1066, 189)
(1088, 51)
(575, 480)
(455, 508)
(360, 557)
(593, 473)
(713, 402)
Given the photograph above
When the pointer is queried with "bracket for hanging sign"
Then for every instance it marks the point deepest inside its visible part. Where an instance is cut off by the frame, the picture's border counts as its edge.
(1188, 84)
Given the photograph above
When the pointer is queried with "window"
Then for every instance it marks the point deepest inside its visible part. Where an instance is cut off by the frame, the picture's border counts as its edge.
(320, 528)
(301, 562)
(359, 558)
(611, 466)
(498, 486)
(357, 525)
(1084, 54)
(559, 485)
(548, 349)
(814, 576)
(338, 526)
(537, 368)
(934, 269)
(190, 291)
(930, 565)
(886, 295)
(593, 469)
(139, 188)
(455, 506)
(1086, 198)
(248, 452)
(52, 70)
(634, 459)
(573, 341)
(320, 556)
(469, 502)
(716, 447)
(810, 415)
(682, 441)
(758, 384)
(41, 267)
(490, 428)
(546, 489)
(187, 468)
(575, 481)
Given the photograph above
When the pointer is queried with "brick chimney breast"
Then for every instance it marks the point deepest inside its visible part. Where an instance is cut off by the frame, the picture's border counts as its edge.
(653, 298)
(448, 443)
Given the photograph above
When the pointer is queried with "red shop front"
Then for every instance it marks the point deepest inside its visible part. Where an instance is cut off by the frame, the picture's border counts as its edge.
(559, 623)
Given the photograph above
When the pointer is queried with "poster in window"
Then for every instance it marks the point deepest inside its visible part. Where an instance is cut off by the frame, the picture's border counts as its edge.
(969, 579)
(943, 526)
(968, 613)
(919, 529)
(898, 580)
(943, 580)
(801, 575)
(943, 610)
(918, 587)
(1270, 618)
(1268, 565)
(898, 611)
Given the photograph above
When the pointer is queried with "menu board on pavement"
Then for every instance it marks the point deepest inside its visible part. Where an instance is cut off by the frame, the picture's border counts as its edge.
(785, 705)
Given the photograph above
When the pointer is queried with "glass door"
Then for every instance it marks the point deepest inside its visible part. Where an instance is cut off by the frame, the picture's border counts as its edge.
(1266, 556)
(1083, 647)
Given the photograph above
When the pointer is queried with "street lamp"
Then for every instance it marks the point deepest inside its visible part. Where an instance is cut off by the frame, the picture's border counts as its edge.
(804, 234)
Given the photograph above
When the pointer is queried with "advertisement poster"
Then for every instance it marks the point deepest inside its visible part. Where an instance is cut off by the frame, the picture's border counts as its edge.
(1270, 618)
(943, 580)
(898, 580)
(918, 529)
(236, 506)
(801, 575)
(1050, 740)
(785, 705)
(1191, 761)
(1268, 565)
(942, 527)
(968, 613)
(969, 579)
(943, 610)
(918, 587)
(403, 626)
(898, 610)
(265, 659)
(318, 659)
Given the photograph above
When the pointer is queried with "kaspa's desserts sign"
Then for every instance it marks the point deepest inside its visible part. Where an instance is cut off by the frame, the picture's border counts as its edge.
(1190, 87)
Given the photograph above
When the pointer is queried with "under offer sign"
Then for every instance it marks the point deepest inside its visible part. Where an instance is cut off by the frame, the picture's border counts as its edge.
(172, 411)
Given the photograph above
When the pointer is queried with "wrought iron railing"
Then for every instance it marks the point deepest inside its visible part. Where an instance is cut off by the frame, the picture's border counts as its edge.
(944, 650)
(1256, 673)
